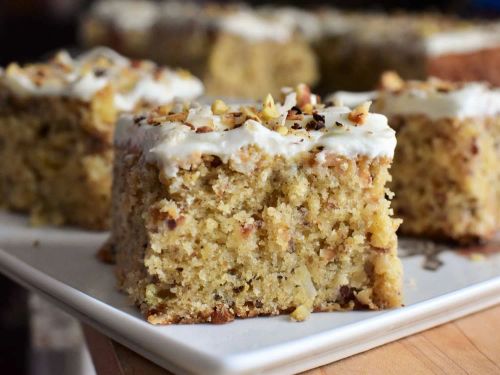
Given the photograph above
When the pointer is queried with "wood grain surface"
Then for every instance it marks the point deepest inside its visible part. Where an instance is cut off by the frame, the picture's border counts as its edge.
(470, 345)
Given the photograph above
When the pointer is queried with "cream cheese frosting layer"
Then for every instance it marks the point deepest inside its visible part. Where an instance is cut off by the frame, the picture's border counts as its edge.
(84, 76)
(471, 100)
(173, 144)
(253, 27)
(127, 14)
(463, 41)
(351, 99)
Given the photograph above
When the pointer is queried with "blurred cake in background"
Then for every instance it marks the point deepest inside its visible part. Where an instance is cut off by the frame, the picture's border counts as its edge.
(124, 25)
(57, 120)
(355, 48)
(273, 46)
(223, 44)
(446, 171)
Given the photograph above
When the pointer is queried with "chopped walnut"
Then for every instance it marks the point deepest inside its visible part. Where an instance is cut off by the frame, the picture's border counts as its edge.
(164, 109)
(269, 110)
(250, 113)
(295, 114)
(359, 114)
(283, 130)
(391, 81)
(233, 119)
(303, 95)
(177, 117)
(219, 107)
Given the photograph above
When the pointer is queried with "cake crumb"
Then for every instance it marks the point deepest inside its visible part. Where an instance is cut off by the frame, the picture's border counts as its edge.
(300, 314)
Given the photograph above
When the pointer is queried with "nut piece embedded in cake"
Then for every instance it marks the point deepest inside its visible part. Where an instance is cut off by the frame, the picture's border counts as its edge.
(57, 121)
(267, 216)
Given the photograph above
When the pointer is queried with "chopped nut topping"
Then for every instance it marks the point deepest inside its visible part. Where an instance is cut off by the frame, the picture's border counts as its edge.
(295, 114)
(233, 119)
(315, 125)
(138, 119)
(180, 117)
(318, 117)
(204, 129)
(250, 113)
(283, 130)
(269, 110)
(391, 81)
(164, 109)
(303, 95)
(219, 107)
(308, 109)
(359, 114)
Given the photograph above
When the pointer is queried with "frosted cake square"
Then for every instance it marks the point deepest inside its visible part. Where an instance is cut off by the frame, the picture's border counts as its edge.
(56, 127)
(224, 44)
(446, 170)
(355, 48)
(228, 211)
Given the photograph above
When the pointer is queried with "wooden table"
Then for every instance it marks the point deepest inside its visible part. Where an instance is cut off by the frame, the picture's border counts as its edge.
(470, 345)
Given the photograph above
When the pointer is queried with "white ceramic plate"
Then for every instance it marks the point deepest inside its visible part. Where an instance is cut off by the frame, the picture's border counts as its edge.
(60, 264)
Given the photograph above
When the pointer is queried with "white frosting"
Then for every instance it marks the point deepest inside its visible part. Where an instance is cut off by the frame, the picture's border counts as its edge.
(472, 100)
(335, 23)
(171, 145)
(351, 99)
(159, 89)
(463, 41)
(127, 14)
(255, 28)
(306, 23)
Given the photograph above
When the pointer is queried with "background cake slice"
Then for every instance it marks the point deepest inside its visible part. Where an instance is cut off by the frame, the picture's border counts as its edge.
(238, 211)
(446, 171)
(356, 48)
(222, 44)
(56, 128)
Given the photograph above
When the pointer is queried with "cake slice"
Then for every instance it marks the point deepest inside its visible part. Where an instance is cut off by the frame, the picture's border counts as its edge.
(124, 25)
(56, 128)
(228, 211)
(356, 48)
(223, 44)
(446, 170)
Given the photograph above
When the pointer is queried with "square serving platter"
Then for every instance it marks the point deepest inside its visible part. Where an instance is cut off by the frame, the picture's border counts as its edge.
(60, 264)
